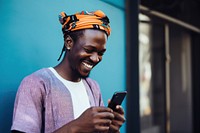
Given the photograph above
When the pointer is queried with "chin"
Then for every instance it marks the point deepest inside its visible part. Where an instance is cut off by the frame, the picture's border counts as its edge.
(84, 76)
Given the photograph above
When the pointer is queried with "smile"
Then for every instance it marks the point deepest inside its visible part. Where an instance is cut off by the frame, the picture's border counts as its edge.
(87, 65)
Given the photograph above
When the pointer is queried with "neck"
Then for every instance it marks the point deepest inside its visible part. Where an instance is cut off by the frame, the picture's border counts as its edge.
(65, 71)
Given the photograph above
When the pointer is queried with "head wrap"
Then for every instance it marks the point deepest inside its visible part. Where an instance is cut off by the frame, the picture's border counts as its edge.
(85, 20)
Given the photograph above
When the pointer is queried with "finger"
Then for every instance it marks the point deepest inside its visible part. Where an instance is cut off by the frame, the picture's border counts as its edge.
(119, 117)
(103, 125)
(103, 109)
(117, 123)
(102, 128)
(103, 122)
(105, 115)
(109, 101)
(119, 109)
(114, 128)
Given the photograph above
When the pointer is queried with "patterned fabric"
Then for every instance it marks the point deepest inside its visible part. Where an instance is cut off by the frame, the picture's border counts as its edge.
(85, 20)
(43, 103)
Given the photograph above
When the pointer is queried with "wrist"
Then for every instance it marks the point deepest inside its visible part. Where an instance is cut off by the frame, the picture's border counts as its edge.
(73, 127)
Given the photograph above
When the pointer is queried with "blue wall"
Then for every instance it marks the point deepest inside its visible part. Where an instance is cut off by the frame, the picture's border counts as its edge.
(31, 38)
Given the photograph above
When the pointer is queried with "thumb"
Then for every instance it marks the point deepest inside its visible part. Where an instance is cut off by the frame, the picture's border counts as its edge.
(109, 101)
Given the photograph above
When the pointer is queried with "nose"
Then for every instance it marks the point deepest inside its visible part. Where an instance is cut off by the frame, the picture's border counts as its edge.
(95, 57)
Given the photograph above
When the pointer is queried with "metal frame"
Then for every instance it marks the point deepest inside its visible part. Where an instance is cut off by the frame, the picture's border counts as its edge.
(168, 18)
(132, 63)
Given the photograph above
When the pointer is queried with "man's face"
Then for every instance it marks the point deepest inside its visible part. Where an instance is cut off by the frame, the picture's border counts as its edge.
(87, 52)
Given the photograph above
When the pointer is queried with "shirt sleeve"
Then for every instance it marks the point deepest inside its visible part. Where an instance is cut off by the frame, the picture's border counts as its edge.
(27, 115)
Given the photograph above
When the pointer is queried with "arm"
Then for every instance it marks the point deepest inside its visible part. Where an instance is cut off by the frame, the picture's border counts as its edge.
(27, 116)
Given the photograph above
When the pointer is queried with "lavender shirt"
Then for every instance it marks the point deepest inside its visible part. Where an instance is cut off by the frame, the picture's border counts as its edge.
(44, 104)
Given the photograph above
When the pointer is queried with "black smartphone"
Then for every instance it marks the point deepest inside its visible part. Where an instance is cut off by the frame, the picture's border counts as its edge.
(117, 99)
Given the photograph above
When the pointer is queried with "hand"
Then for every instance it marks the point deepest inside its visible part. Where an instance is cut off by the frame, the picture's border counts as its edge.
(118, 120)
(95, 119)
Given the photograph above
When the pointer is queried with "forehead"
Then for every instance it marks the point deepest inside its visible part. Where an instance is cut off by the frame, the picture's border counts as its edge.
(95, 39)
(95, 35)
(95, 31)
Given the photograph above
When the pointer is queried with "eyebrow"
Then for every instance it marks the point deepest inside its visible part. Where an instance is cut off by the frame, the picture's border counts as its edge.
(103, 50)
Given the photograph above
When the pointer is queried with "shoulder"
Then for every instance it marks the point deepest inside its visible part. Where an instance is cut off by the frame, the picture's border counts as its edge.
(41, 75)
(38, 79)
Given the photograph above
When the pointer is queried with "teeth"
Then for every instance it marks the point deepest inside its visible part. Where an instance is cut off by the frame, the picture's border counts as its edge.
(87, 65)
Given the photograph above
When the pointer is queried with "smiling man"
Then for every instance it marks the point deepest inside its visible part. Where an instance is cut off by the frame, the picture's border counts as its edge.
(63, 98)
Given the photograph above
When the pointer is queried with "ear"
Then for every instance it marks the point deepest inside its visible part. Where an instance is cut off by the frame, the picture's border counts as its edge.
(68, 42)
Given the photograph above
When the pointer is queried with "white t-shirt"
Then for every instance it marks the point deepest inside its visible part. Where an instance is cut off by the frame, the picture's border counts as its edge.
(78, 93)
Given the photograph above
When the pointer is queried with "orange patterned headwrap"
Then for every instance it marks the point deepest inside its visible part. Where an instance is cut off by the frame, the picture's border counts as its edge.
(85, 20)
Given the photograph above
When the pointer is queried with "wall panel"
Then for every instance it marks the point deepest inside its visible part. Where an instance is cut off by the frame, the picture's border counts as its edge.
(31, 39)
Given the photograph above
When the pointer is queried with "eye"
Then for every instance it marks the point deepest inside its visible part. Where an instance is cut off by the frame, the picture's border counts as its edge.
(87, 50)
(101, 53)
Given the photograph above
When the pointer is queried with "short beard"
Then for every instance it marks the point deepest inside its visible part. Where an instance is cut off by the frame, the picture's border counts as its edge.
(84, 77)
(81, 76)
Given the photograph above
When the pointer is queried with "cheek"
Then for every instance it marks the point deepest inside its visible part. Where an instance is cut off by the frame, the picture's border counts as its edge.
(73, 60)
(76, 60)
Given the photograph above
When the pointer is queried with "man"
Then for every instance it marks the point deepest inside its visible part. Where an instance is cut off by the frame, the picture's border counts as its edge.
(63, 99)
